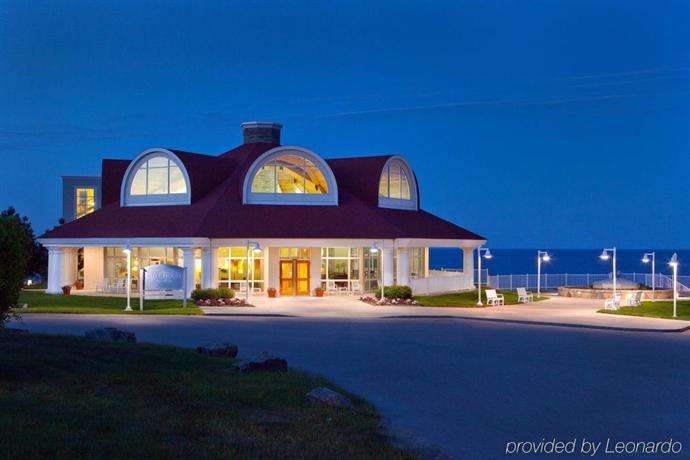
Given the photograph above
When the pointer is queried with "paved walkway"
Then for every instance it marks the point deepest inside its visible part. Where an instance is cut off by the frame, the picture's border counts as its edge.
(556, 311)
(467, 386)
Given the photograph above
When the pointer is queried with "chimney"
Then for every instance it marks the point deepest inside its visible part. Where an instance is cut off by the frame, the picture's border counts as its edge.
(261, 131)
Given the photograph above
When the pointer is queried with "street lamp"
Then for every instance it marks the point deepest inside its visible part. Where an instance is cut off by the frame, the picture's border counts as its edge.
(256, 247)
(128, 251)
(605, 256)
(487, 255)
(375, 249)
(674, 264)
(646, 260)
(541, 255)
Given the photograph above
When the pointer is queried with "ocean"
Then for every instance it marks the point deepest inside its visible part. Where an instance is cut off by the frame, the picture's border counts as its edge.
(523, 261)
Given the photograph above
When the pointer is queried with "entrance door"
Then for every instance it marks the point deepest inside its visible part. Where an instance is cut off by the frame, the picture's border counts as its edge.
(302, 273)
(287, 277)
(294, 277)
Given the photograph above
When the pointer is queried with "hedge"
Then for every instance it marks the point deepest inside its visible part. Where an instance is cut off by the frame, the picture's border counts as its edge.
(396, 292)
(212, 293)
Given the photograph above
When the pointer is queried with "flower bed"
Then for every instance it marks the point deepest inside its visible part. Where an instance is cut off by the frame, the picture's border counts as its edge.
(222, 302)
(387, 301)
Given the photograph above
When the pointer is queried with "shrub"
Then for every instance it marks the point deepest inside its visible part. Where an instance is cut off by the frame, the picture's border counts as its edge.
(212, 293)
(396, 292)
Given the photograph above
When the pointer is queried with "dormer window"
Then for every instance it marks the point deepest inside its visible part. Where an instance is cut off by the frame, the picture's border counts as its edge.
(397, 186)
(290, 175)
(156, 177)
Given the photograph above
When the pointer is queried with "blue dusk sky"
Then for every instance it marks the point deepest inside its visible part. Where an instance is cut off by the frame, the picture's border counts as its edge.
(534, 123)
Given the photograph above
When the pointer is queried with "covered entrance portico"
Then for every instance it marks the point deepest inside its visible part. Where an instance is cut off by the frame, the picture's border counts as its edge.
(291, 266)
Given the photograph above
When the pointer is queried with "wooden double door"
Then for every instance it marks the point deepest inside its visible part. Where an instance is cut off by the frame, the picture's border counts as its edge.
(294, 277)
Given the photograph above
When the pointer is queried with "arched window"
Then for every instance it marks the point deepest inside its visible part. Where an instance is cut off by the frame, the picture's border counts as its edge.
(290, 175)
(397, 185)
(156, 177)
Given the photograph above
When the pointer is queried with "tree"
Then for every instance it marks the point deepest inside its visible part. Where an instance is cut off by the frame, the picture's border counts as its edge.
(15, 251)
(37, 261)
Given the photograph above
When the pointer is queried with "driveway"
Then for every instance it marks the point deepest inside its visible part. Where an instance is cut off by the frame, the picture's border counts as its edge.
(467, 386)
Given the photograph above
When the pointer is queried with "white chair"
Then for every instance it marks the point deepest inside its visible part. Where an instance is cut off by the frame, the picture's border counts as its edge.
(332, 288)
(524, 296)
(494, 299)
(634, 300)
(356, 287)
(613, 303)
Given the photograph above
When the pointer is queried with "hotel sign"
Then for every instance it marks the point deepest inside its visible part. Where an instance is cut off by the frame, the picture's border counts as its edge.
(164, 281)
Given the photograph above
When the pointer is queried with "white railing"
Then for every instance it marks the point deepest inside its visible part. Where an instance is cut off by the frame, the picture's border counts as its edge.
(556, 280)
(441, 282)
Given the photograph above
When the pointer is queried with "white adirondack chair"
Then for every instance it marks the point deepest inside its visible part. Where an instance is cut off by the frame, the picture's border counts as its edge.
(613, 303)
(332, 288)
(524, 296)
(635, 300)
(494, 299)
(356, 287)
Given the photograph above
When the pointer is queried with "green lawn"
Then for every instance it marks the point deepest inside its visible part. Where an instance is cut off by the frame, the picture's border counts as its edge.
(65, 397)
(40, 302)
(658, 309)
(466, 299)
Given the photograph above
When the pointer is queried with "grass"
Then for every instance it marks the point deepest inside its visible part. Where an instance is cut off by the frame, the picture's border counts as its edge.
(65, 397)
(40, 302)
(467, 299)
(658, 309)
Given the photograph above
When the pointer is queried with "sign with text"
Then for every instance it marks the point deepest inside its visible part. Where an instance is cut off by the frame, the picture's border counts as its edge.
(163, 281)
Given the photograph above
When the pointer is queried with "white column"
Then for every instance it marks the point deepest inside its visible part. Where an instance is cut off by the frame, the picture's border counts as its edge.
(54, 271)
(403, 268)
(273, 280)
(388, 266)
(207, 264)
(70, 269)
(468, 266)
(188, 261)
(314, 269)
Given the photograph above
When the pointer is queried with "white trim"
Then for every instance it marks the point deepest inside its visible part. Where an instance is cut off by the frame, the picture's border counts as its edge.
(327, 199)
(169, 199)
(399, 203)
(179, 242)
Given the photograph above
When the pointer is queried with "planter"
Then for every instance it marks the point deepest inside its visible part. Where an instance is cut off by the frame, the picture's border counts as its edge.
(271, 292)
(318, 292)
(79, 285)
(66, 290)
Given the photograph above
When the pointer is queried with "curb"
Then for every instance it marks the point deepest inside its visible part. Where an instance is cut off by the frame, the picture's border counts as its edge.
(545, 323)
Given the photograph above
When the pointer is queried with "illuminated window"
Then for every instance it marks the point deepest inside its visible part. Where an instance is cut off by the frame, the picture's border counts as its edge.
(157, 178)
(397, 188)
(232, 268)
(289, 174)
(340, 265)
(85, 201)
(394, 182)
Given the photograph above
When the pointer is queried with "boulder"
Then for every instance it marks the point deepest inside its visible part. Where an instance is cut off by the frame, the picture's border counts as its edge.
(264, 362)
(327, 397)
(222, 350)
(110, 334)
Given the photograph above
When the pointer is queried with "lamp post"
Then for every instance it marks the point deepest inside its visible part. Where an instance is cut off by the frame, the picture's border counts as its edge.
(646, 260)
(256, 247)
(487, 255)
(605, 256)
(128, 251)
(541, 255)
(674, 264)
(375, 249)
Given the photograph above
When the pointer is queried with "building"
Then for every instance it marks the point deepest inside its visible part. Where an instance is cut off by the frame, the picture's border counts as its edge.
(263, 213)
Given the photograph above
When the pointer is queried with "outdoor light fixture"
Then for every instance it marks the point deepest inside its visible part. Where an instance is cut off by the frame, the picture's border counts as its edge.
(605, 256)
(541, 255)
(128, 251)
(674, 264)
(646, 260)
(487, 255)
(375, 249)
(256, 247)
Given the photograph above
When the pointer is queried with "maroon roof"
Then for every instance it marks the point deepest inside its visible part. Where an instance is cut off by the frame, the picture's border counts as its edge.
(217, 211)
